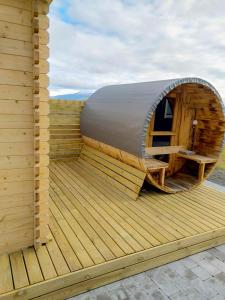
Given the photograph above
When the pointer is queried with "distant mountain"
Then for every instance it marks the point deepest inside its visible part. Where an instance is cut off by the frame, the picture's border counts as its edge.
(76, 96)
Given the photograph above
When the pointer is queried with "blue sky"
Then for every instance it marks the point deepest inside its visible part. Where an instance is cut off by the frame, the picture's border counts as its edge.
(101, 42)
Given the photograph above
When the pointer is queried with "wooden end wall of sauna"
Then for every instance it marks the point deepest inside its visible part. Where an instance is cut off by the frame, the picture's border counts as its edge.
(23, 145)
(193, 101)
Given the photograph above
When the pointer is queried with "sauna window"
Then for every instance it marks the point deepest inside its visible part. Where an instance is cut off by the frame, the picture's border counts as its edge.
(164, 115)
(163, 123)
(161, 141)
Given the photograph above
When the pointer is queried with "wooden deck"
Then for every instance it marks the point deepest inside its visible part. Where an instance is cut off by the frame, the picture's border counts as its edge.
(99, 235)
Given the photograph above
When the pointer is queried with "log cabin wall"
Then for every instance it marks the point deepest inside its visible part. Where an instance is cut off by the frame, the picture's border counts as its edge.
(65, 136)
(23, 123)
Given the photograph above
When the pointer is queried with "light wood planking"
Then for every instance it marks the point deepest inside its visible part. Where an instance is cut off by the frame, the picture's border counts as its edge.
(98, 235)
(65, 136)
(17, 132)
(121, 175)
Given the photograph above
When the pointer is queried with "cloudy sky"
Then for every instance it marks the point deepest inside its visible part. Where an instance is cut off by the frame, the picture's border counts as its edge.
(100, 42)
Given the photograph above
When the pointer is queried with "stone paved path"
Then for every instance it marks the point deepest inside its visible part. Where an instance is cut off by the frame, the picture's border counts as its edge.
(197, 277)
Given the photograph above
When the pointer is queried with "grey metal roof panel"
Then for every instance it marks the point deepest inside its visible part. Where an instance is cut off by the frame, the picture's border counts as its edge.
(118, 115)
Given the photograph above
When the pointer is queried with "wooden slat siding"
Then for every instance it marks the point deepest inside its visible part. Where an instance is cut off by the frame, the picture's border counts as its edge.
(89, 216)
(124, 177)
(16, 126)
(65, 136)
(17, 122)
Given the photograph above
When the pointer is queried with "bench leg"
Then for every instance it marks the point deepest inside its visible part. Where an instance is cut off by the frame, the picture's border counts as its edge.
(162, 173)
(201, 172)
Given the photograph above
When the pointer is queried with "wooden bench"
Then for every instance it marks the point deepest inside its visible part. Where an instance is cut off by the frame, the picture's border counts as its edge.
(124, 177)
(155, 165)
(201, 160)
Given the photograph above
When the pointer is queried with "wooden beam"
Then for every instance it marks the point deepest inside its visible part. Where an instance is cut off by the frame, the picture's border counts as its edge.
(163, 150)
(198, 158)
(162, 133)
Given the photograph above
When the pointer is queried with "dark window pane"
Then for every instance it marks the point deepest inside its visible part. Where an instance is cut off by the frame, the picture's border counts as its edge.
(159, 141)
(164, 116)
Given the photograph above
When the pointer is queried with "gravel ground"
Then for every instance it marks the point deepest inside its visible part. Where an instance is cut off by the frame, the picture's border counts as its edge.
(218, 176)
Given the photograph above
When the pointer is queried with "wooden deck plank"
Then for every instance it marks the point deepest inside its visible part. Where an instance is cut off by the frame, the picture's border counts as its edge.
(178, 221)
(20, 278)
(84, 209)
(82, 236)
(127, 232)
(190, 213)
(129, 206)
(116, 214)
(109, 198)
(85, 197)
(194, 208)
(57, 258)
(94, 237)
(6, 280)
(66, 249)
(45, 262)
(176, 212)
(32, 266)
(114, 200)
(210, 210)
(135, 214)
(78, 248)
(108, 176)
(122, 237)
(214, 199)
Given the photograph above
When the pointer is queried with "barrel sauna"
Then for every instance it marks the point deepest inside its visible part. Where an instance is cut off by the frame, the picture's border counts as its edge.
(173, 130)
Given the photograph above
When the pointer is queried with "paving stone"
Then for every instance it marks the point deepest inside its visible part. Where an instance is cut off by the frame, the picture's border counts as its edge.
(140, 295)
(217, 283)
(157, 295)
(217, 253)
(103, 297)
(188, 262)
(178, 267)
(221, 248)
(208, 266)
(201, 273)
(166, 279)
(220, 265)
(119, 294)
(188, 294)
(218, 297)
(115, 285)
(200, 256)
(204, 290)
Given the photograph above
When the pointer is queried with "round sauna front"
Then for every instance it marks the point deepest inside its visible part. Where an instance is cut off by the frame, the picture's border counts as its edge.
(173, 130)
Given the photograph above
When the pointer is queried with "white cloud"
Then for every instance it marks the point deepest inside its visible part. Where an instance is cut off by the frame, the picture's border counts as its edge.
(59, 91)
(103, 42)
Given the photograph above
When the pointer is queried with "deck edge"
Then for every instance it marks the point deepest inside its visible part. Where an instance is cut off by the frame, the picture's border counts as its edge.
(81, 281)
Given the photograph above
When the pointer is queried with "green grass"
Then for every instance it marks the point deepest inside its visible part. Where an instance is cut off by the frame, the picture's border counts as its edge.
(221, 163)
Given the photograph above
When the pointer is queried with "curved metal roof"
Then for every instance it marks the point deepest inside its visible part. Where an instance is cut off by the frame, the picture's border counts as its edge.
(119, 115)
